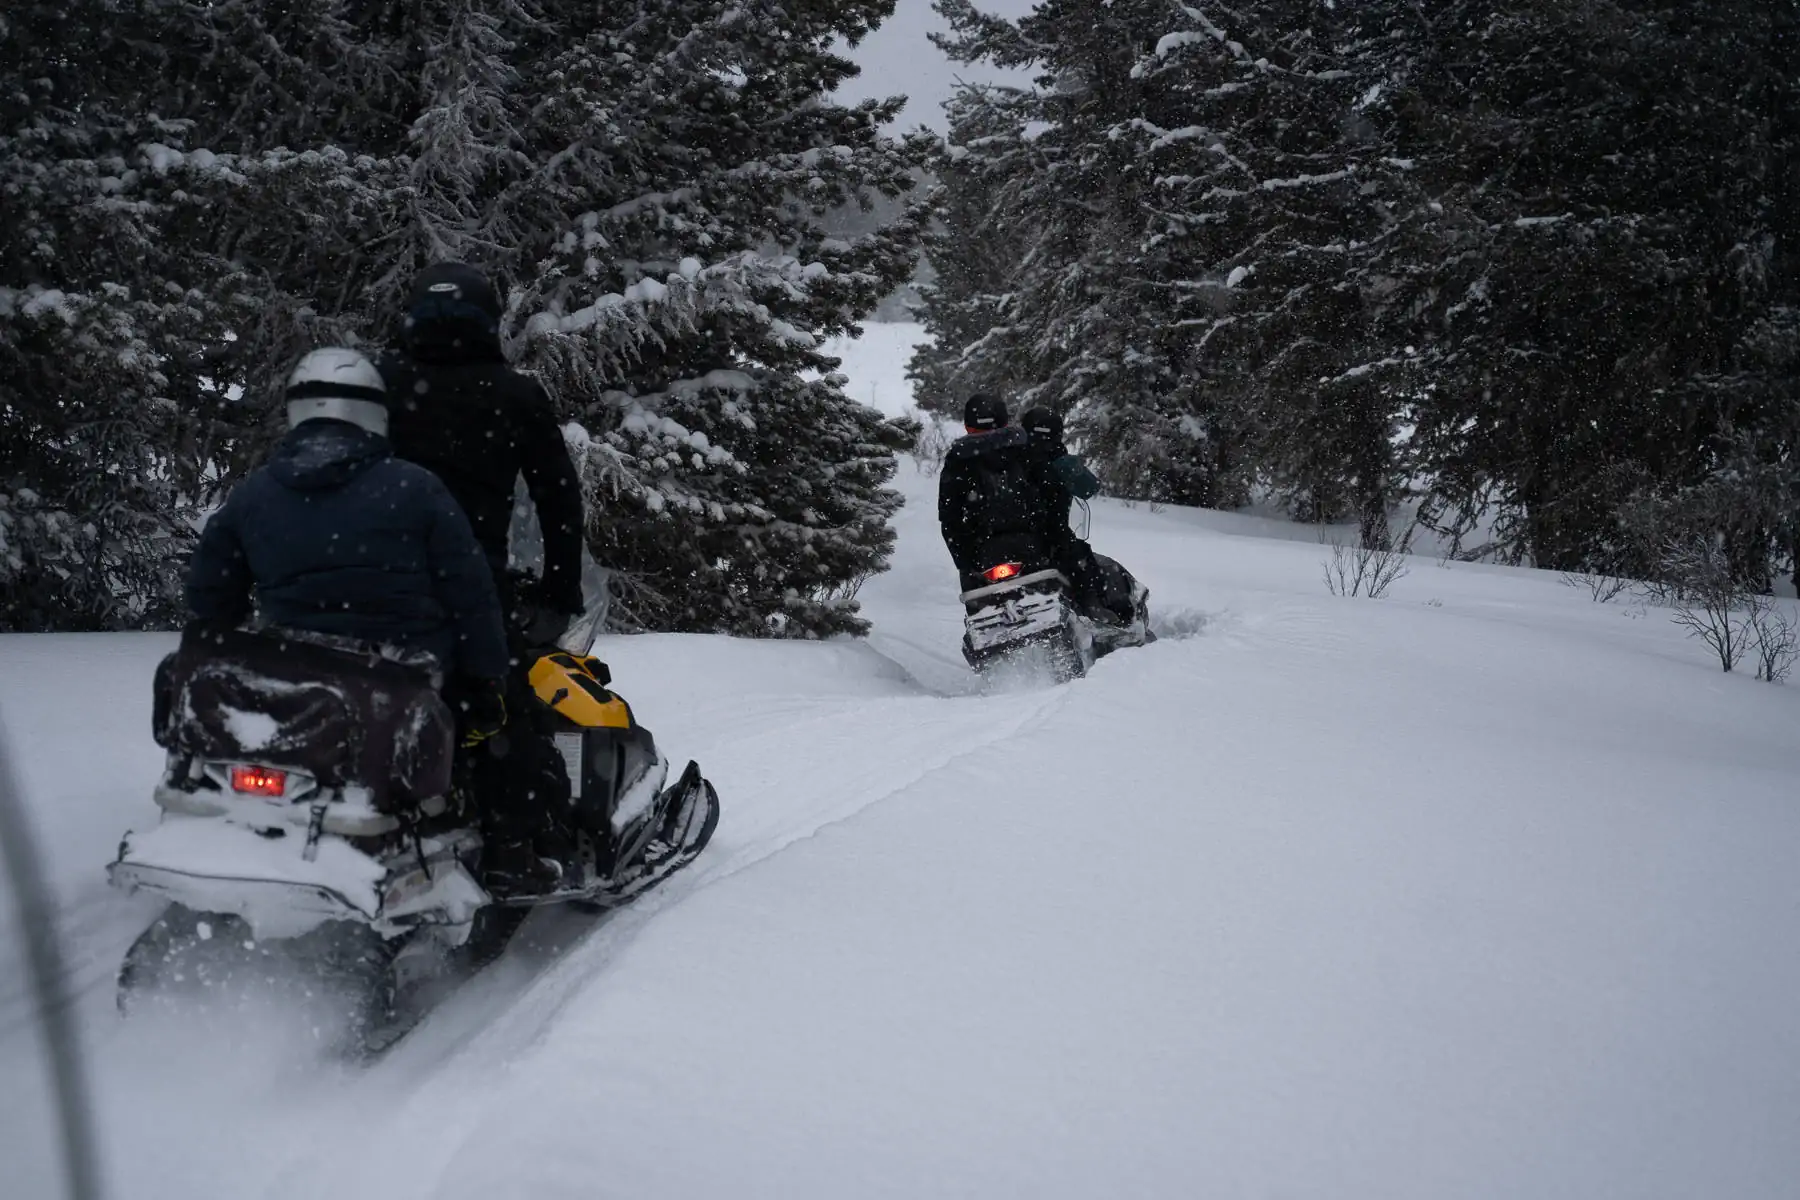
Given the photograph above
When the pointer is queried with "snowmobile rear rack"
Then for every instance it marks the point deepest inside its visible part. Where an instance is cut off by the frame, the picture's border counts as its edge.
(1048, 575)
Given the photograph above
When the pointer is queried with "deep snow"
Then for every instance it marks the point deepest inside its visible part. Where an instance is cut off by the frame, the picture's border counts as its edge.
(875, 364)
(1480, 890)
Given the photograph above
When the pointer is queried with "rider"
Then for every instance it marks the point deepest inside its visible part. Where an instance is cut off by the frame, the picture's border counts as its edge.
(335, 535)
(461, 411)
(1059, 479)
(987, 504)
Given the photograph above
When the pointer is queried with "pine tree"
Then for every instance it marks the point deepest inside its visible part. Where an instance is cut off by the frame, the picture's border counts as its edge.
(645, 180)
(1272, 212)
(1609, 183)
(974, 246)
(1201, 232)
(106, 328)
(680, 310)
(1088, 331)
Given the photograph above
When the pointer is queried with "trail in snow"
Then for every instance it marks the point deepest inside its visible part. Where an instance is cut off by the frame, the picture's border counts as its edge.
(857, 724)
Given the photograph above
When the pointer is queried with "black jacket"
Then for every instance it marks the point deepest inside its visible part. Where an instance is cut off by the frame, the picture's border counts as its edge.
(987, 497)
(336, 535)
(456, 408)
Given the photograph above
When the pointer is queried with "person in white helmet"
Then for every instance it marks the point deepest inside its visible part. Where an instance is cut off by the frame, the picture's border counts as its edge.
(333, 534)
(336, 535)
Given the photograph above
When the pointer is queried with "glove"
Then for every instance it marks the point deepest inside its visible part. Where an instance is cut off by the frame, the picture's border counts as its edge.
(480, 706)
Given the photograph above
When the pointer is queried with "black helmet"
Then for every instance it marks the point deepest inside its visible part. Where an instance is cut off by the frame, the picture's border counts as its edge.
(1041, 422)
(453, 306)
(984, 412)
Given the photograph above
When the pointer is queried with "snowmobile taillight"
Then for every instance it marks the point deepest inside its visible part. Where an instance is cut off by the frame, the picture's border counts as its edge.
(258, 781)
(1002, 571)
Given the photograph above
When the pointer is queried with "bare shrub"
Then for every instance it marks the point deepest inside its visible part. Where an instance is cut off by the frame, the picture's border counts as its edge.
(932, 444)
(844, 590)
(1725, 631)
(1365, 570)
(1776, 633)
(1695, 579)
(1600, 586)
(1688, 571)
(1665, 592)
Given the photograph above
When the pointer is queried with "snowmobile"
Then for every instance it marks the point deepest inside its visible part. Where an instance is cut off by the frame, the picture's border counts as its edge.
(1023, 607)
(316, 820)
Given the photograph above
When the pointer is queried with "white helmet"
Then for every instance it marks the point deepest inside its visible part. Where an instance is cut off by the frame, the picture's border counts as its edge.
(339, 385)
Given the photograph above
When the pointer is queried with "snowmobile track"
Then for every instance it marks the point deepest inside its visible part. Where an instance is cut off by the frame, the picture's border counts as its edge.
(553, 983)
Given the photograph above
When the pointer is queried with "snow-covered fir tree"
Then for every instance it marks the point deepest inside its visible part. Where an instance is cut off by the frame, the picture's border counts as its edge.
(1087, 332)
(1198, 228)
(974, 245)
(1267, 212)
(679, 309)
(1553, 241)
(645, 180)
(108, 326)
(1607, 327)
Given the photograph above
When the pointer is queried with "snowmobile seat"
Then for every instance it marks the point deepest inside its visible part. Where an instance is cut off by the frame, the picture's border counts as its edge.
(341, 711)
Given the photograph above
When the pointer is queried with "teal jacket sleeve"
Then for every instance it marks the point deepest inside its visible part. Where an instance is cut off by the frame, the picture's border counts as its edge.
(1076, 479)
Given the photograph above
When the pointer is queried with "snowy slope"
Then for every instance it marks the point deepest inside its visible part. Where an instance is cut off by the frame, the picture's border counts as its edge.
(1481, 890)
(875, 364)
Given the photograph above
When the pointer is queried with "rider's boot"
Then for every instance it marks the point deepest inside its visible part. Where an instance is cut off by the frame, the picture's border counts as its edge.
(513, 867)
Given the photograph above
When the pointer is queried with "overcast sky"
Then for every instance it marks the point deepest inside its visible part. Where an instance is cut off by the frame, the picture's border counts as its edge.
(897, 58)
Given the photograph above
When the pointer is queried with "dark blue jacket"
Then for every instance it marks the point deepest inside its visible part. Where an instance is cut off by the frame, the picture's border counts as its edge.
(338, 536)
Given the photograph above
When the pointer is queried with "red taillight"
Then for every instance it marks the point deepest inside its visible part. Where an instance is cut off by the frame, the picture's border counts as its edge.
(258, 781)
(1003, 571)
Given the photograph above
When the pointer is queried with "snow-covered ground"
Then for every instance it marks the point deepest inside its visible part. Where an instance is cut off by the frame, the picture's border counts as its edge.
(1480, 890)
(875, 364)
